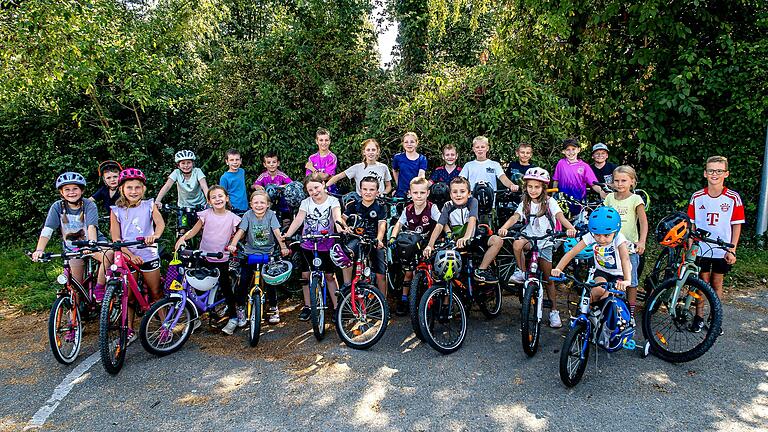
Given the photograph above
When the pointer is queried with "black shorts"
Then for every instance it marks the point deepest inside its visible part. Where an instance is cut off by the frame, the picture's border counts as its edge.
(607, 276)
(149, 266)
(326, 266)
(713, 265)
(377, 257)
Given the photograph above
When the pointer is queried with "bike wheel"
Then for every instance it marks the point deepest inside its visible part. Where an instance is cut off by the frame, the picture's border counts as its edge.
(254, 318)
(489, 300)
(574, 355)
(443, 321)
(363, 329)
(65, 330)
(673, 338)
(663, 269)
(157, 335)
(505, 262)
(530, 325)
(317, 307)
(113, 337)
(418, 286)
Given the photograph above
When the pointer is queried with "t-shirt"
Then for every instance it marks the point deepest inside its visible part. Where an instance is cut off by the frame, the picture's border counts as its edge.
(607, 257)
(259, 233)
(189, 190)
(441, 175)
(516, 170)
(538, 225)
(457, 217)
(407, 170)
(372, 215)
(487, 171)
(103, 198)
(604, 174)
(325, 164)
(574, 178)
(217, 232)
(422, 222)
(378, 170)
(234, 184)
(716, 215)
(319, 218)
(627, 209)
(137, 222)
(73, 223)
(280, 178)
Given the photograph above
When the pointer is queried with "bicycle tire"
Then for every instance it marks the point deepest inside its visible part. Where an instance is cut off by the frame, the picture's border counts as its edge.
(58, 336)
(432, 312)
(530, 325)
(374, 319)
(663, 269)
(254, 318)
(112, 334)
(490, 300)
(572, 372)
(152, 337)
(316, 306)
(418, 287)
(662, 344)
(506, 264)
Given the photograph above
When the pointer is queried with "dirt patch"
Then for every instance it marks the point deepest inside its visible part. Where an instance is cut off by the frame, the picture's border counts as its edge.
(192, 399)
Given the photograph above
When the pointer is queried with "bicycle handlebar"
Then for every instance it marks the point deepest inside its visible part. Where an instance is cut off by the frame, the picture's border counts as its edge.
(173, 207)
(588, 284)
(703, 236)
(314, 238)
(48, 256)
(113, 245)
(189, 253)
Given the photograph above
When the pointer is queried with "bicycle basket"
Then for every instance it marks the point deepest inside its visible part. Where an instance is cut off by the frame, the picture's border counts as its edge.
(615, 330)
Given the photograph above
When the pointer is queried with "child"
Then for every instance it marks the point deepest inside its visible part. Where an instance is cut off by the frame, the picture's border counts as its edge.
(516, 169)
(449, 170)
(632, 211)
(233, 182)
(419, 216)
(132, 217)
(319, 212)
(78, 220)
(218, 224)
(602, 169)
(610, 252)
(719, 211)
(573, 176)
(539, 211)
(483, 169)
(107, 194)
(191, 186)
(374, 217)
(370, 166)
(324, 160)
(272, 173)
(408, 164)
(460, 216)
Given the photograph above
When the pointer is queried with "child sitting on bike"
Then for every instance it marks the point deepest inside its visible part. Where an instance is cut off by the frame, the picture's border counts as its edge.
(610, 252)
(133, 217)
(420, 216)
(218, 224)
(262, 231)
(460, 217)
(573, 176)
(106, 196)
(318, 213)
(539, 211)
(191, 185)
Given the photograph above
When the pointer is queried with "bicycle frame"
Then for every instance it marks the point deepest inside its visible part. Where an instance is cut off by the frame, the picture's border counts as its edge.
(123, 269)
(686, 268)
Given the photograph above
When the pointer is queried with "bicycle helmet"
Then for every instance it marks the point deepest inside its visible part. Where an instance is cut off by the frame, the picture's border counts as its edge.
(673, 229)
(585, 254)
(447, 264)
(604, 220)
(341, 256)
(484, 194)
(131, 174)
(273, 192)
(294, 194)
(202, 278)
(69, 178)
(439, 194)
(184, 155)
(406, 247)
(277, 272)
(109, 165)
(350, 198)
(539, 174)
(615, 330)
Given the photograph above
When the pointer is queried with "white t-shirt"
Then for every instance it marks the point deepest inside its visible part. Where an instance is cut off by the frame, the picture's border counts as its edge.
(378, 170)
(538, 226)
(319, 218)
(487, 171)
(189, 190)
(716, 215)
(607, 257)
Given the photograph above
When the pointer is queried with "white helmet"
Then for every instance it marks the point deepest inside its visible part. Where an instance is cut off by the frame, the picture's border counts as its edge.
(68, 178)
(202, 279)
(184, 155)
(539, 174)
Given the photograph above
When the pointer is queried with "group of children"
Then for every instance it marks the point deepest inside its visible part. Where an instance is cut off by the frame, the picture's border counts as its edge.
(617, 232)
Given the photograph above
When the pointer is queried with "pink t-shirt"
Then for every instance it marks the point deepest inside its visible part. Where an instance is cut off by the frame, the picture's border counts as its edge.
(265, 179)
(325, 164)
(217, 232)
(574, 178)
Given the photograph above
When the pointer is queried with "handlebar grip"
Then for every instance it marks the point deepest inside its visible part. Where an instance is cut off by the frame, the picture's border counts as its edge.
(558, 279)
(215, 254)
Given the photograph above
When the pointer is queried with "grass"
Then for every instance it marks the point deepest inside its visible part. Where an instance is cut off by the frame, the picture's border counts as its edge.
(27, 285)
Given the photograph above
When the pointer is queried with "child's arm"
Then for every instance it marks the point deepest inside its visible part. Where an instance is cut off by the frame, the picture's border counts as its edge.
(164, 190)
(570, 229)
(432, 239)
(204, 186)
(337, 177)
(508, 183)
(189, 234)
(42, 242)
(157, 218)
(471, 225)
(309, 166)
(380, 234)
(730, 258)
(504, 229)
(297, 222)
(642, 218)
(558, 270)
(388, 187)
(232, 247)
(284, 251)
(395, 230)
(626, 268)
(599, 190)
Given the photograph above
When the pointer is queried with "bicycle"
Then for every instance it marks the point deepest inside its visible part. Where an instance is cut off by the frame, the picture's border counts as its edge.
(255, 303)
(422, 281)
(604, 324)
(186, 217)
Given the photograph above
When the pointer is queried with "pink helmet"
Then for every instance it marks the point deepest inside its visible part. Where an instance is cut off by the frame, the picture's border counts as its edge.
(539, 174)
(131, 174)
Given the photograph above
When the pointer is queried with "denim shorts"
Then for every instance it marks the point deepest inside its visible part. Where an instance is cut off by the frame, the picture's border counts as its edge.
(634, 259)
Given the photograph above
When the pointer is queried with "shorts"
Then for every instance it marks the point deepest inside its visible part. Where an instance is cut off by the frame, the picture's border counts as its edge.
(479, 243)
(377, 257)
(326, 265)
(713, 265)
(634, 259)
(150, 266)
(607, 276)
(545, 253)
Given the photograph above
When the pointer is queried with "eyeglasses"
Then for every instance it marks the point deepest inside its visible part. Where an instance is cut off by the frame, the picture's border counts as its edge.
(715, 171)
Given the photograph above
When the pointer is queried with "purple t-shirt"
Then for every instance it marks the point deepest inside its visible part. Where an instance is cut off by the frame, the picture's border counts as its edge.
(574, 178)
(217, 232)
(265, 179)
(407, 169)
(137, 222)
(325, 164)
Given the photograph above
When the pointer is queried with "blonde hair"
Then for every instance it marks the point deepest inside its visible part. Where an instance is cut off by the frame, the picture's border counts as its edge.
(122, 201)
(628, 170)
(259, 192)
(322, 131)
(365, 144)
(718, 159)
(228, 205)
(419, 181)
(481, 140)
(412, 134)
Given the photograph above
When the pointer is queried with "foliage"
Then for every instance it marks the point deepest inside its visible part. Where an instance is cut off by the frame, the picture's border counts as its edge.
(25, 284)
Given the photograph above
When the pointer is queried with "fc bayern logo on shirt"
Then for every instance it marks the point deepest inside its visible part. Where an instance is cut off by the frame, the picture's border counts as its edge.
(580, 170)
(724, 207)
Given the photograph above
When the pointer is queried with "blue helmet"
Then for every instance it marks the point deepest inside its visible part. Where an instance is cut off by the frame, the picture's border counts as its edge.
(604, 220)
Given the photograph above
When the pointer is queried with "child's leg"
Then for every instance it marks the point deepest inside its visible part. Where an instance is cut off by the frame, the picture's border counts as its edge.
(330, 280)
(634, 259)
(494, 246)
(546, 269)
(77, 269)
(598, 293)
(271, 295)
(305, 288)
(152, 280)
(519, 247)
(237, 295)
(716, 281)
(378, 263)
(407, 278)
(240, 292)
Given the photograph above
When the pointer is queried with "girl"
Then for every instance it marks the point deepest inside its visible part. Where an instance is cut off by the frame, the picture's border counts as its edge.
(218, 224)
(190, 182)
(262, 229)
(370, 166)
(539, 211)
(408, 165)
(632, 211)
(319, 212)
(132, 217)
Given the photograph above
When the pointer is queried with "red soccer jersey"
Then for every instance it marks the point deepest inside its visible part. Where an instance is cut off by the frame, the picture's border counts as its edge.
(716, 215)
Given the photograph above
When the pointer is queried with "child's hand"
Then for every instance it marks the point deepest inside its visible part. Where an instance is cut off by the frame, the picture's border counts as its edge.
(427, 252)
(502, 232)
(159, 204)
(284, 251)
(150, 239)
(556, 272)
(36, 255)
(571, 232)
(640, 247)
(622, 285)
(462, 242)
(515, 188)
(379, 244)
(309, 166)
(730, 257)
(230, 248)
(136, 259)
(280, 238)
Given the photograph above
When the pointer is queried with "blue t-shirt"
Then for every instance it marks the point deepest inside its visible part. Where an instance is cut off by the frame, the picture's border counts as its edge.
(441, 175)
(407, 170)
(234, 183)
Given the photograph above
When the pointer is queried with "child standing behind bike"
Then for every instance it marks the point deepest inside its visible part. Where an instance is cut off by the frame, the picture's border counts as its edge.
(449, 170)
(106, 196)
(370, 166)
(573, 176)
(539, 211)
(233, 181)
(190, 182)
(408, 164)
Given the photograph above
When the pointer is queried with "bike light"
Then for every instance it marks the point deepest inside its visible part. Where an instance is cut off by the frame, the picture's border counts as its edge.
(61, 279)
(113, 267)
(534, 267)
(317, 262)
(367, 272)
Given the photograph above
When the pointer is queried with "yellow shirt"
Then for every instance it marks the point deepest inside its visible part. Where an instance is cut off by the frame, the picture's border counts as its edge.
(627, 209)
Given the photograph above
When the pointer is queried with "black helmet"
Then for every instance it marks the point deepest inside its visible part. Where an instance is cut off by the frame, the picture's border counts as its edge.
(673, 230)
(273, 192)
(439, 194)
(406, 247)
(484, 194)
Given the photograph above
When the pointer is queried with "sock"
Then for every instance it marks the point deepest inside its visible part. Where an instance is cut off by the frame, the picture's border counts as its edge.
(632, 310)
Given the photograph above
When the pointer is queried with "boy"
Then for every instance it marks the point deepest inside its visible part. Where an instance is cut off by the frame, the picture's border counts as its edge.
(719, 211)
(107, 195)
(483, 169)
(420, 216)
(449, 170)
(459, 215)
(233, 181)
(191, 186)
(573, 176)
(272, 175)
(374, 220)
(516, 169)
(602, 169)
(324, 160)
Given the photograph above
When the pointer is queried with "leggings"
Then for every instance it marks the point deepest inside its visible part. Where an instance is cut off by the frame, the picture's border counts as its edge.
(246, 281)
(234, 298)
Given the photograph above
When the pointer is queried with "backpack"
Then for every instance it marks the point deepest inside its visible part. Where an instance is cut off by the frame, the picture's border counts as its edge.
(615, 329)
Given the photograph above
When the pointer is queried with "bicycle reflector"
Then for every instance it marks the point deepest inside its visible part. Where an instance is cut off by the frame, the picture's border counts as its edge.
(673, 230)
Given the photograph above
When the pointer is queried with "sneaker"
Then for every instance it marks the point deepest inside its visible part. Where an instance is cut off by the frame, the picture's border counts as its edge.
(697, 325)
(274, 315)
(305, 314)
(242, 321)
(230, 327)
(518, 276)
(485, 275)
(632, 322)
(554, 319)
(401, 309)
(132, 336)
(196, 324)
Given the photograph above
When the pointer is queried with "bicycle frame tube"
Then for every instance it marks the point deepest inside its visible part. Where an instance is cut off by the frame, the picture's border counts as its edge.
(684, 271)
(256, 287)
(124, 270)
